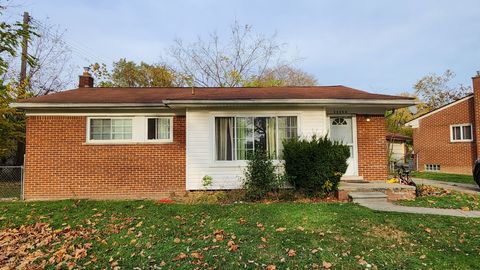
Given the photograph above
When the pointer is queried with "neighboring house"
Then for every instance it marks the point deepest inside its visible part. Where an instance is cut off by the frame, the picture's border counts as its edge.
(397, 148)
(445, 139)
(160, 142)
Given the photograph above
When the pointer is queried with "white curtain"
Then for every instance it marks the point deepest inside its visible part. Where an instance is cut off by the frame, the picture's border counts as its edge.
(224, 137)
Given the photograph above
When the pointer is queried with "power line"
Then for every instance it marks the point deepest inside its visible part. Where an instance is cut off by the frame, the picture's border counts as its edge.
(81, 50)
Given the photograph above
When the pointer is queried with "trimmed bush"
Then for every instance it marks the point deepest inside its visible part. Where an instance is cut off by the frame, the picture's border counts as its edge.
(260, 176)
(316, 165)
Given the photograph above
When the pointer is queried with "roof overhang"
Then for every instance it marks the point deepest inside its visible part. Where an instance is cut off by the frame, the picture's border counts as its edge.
(415, 123)
(394, 103)
(377, 103)
(36, 105)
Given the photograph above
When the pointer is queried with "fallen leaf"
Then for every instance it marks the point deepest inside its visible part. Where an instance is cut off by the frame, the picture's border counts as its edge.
(176, 240)
(232, 246)
(465, 208)
(263, 239)
(428, 230)
(270, 267)
(219, 237)
(314, 251)
(281, 229)
(291, 253)
(197, 255)
(423, 257)
(362, 261)
(180, 256)
(80, 253)
(326, 265)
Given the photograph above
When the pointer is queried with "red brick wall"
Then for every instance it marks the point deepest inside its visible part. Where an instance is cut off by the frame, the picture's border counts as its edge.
(431, 141)
(60, 165)
(372, 147)
(476, 91)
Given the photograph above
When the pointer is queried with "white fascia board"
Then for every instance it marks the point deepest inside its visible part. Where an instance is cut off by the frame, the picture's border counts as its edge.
(85, 105)
(397, 103)
(416, 122)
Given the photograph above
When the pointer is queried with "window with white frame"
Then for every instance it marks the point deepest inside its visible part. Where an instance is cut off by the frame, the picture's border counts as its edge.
(159, 128)
(461, 133)
(131, 129)
(237, 138)
(111, 129)
(432, 167)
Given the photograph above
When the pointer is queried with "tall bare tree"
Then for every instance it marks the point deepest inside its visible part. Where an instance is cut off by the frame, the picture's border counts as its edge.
(54, 69)
(436, 90)
(213, 62)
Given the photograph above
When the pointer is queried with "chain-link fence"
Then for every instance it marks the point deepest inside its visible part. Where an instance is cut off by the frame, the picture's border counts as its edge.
(11, 182)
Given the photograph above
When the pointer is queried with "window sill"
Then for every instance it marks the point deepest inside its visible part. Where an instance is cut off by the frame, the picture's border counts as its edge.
(239, 163)
(126, 143)
(461, 141)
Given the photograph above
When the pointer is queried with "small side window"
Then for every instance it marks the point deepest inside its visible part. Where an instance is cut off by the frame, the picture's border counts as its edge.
(159, 129)
(461, 133)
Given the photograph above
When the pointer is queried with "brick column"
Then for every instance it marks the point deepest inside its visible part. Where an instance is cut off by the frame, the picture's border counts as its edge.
(372, 147)
(476, 126)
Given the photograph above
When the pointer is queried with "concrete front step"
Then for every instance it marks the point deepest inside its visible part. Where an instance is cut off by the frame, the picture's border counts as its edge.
(393, 191)
(367, 197)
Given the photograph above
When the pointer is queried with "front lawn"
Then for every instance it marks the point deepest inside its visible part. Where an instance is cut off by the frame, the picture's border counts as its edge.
(448, 177)
(145, 234)
(442, 198)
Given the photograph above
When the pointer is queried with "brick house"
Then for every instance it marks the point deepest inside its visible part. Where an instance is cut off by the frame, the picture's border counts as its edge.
(105, 143)
(445, 139)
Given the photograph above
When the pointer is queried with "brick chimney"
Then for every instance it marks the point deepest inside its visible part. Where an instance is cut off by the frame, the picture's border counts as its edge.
(476, 97)
(86, 79)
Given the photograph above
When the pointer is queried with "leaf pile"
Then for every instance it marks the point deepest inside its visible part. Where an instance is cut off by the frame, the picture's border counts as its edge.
(39, 245)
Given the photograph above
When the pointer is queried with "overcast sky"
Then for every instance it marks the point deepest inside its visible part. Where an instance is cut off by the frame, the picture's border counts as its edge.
(379, 46)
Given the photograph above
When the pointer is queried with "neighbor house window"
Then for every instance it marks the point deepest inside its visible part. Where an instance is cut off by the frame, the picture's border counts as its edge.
(159, 128)
(432, 167)
(237, 138)
(110, 129)
(461, 133)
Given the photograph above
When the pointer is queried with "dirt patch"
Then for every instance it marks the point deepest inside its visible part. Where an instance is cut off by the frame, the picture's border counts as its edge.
(387, 232)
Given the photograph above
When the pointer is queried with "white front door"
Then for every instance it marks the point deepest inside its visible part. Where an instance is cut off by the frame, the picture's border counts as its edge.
(342, 129)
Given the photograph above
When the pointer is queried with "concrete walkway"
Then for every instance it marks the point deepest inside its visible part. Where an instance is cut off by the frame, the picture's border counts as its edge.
(390, 207)
(461, 187)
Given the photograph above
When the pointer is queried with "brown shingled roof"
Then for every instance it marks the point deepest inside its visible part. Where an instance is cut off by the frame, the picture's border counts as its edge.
(158, 95)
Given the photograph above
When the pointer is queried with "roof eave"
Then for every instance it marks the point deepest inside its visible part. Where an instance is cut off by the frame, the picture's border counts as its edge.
(394, 103)
(26, 105)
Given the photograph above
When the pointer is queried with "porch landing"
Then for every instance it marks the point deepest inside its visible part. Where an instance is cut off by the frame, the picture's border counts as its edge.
(393, 192)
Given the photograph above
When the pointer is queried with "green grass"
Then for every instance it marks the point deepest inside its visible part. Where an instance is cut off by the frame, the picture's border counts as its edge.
(452, 200)
(448, 177)
(147, 234)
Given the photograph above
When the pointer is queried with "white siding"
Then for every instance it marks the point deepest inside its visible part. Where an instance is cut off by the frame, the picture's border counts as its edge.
(229, 174)
(397, 151)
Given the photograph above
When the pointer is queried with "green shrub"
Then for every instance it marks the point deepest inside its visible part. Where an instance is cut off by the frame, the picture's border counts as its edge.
(260, 176)
(316, 165)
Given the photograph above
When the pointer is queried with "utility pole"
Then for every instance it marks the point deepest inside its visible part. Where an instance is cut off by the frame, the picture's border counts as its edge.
(23, 67)
(20, 153)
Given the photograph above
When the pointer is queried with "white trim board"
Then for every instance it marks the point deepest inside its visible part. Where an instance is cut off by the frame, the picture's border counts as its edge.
(416, 122)
(87, 114)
